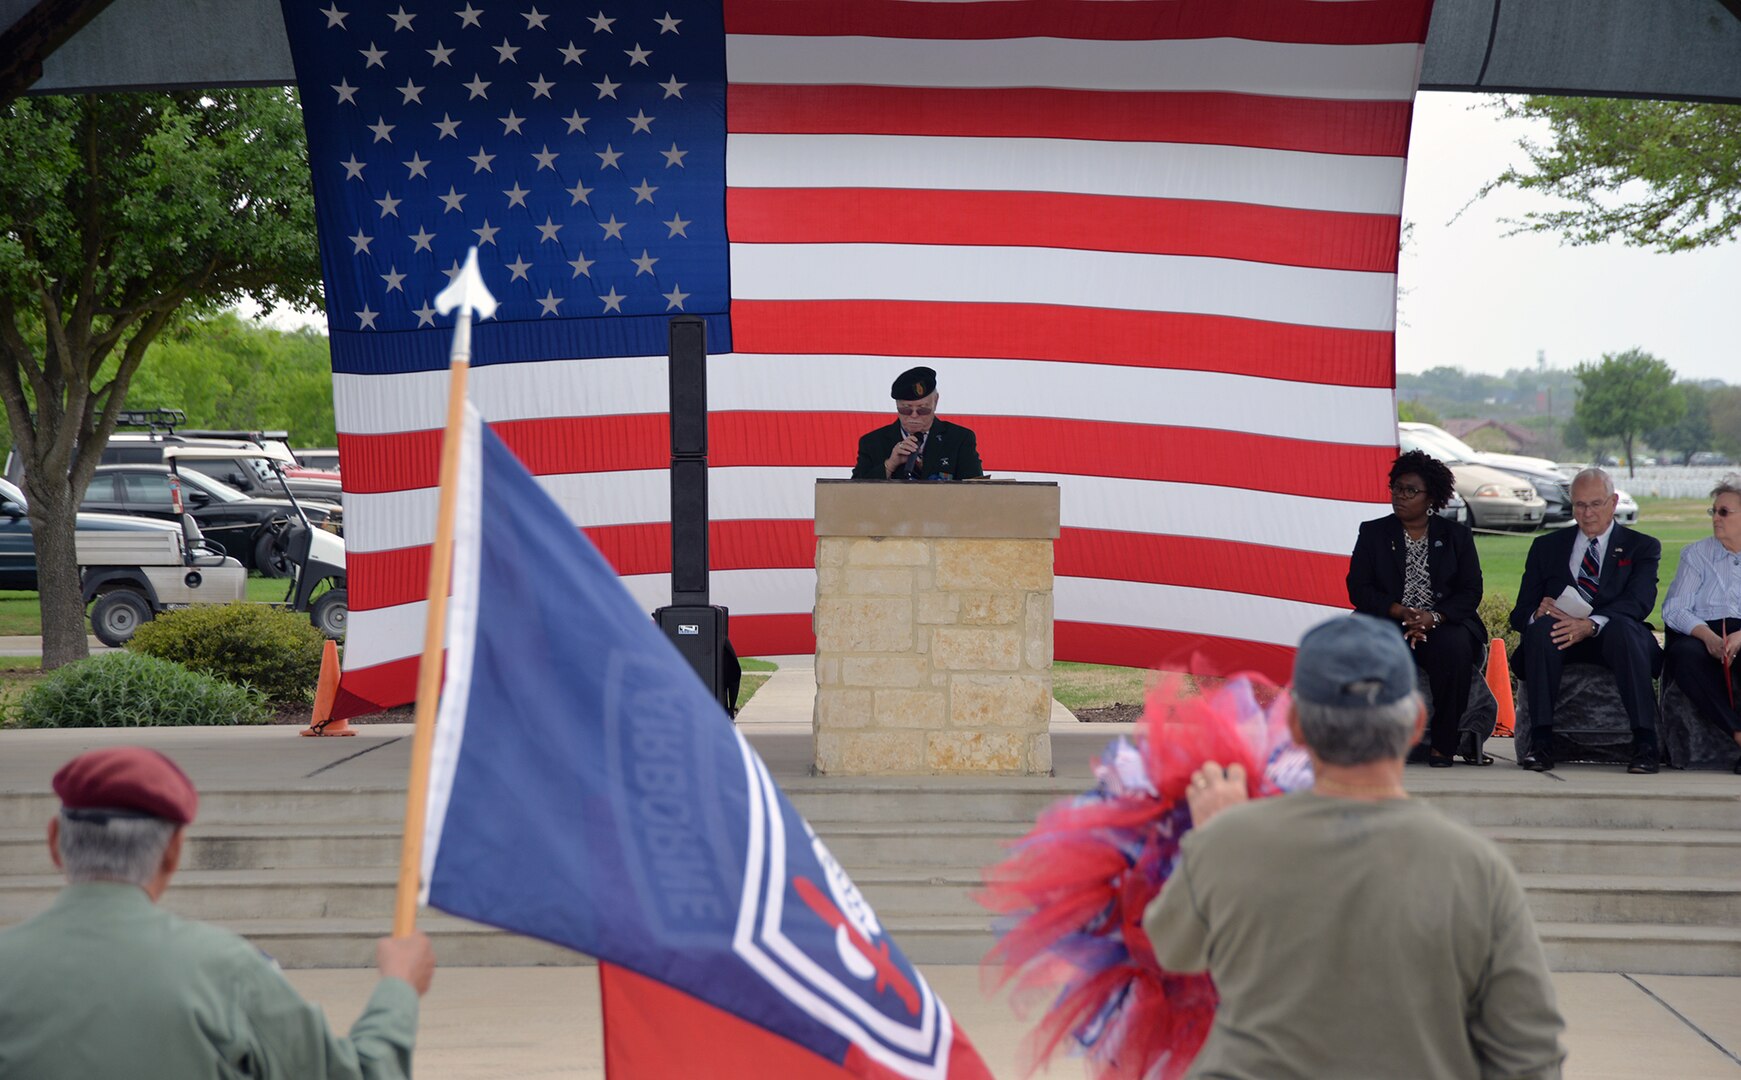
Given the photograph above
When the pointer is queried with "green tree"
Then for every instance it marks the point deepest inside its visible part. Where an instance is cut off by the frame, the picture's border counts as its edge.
(227, 372)
(1723, 406)
(121, 214)
(1658, 174)
(1692, 432)
(1626, 394)
(1415, 412)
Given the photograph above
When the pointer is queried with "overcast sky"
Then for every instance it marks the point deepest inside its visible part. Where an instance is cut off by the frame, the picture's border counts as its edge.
(1483, 301)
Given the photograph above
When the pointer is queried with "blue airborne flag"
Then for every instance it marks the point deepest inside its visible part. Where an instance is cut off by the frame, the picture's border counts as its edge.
(587, 791)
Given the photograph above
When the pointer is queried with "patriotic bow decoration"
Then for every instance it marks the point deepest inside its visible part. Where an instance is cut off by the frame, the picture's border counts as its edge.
(1072, 893)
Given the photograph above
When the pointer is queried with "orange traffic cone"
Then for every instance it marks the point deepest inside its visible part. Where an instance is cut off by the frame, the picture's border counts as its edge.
(325, 693)
(1499, 681)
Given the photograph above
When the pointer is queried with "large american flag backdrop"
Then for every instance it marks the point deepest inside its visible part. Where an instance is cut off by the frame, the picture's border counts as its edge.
(1149, 245)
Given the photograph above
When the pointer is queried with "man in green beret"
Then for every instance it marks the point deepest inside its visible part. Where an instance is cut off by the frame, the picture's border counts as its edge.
(917, 446)
(106, 985)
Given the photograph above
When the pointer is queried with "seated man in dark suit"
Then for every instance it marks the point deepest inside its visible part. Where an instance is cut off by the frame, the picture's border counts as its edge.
(917, 446)
(1612, 569)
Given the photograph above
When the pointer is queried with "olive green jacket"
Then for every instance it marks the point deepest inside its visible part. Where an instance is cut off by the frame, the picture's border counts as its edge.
(106, 985)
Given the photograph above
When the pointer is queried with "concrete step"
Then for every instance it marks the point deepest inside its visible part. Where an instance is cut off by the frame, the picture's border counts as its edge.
(1624, 899)
(239, 847)
(350, 941)
(1562, 806)
(1642, 948)
(1651, 852)
(252, 806)
(224, 895)
(922, 843)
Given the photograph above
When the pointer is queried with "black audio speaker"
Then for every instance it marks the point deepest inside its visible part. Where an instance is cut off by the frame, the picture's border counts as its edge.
(699, 632)
(689, 556)
(688, 386)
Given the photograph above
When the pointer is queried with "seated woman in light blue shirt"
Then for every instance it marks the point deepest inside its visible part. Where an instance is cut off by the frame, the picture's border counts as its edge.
(1703, 613)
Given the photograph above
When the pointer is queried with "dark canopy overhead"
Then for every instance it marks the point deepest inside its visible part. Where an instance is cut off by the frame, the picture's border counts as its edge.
(1636, 48)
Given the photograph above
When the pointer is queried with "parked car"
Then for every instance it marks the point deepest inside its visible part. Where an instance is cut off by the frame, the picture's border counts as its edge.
(242, 525)
(1625, 506)
(325, 458)
(1496, 500)
(1708, 458)
(130, 568)
(1540, 472)
(245, 470)
(1455, 509)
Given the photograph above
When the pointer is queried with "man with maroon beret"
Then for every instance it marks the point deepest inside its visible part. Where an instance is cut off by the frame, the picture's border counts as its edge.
(106, 985)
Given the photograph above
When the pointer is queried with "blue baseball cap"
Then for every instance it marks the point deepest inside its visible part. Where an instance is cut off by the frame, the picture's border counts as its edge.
(1354, 661)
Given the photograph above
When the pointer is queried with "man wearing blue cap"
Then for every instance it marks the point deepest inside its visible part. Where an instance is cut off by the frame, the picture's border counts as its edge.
(1351, 931)
(917, 446)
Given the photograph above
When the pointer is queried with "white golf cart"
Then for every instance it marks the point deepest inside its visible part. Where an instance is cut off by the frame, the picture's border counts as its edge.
(315, 555)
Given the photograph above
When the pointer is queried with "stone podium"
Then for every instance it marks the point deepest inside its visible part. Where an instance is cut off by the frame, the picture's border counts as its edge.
(934, 627)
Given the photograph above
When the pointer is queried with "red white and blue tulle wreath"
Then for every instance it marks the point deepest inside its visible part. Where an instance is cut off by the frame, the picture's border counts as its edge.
(1071, 894)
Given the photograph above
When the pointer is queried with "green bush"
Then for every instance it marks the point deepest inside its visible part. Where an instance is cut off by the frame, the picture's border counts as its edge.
(1495, 611)
(274, 651)
(129, 690)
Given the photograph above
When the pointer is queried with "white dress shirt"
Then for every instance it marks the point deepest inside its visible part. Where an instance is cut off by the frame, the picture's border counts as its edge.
(1707, 586)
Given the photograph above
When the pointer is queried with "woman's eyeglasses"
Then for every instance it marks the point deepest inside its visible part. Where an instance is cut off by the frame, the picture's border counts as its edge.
(1720, 511)
(1406, 492)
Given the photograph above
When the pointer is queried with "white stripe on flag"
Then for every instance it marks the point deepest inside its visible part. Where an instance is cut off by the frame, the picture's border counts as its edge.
(736, 382)
(1283, 69)
(1243, 174)
(393, 633)
(1299, 295)
(401, 519)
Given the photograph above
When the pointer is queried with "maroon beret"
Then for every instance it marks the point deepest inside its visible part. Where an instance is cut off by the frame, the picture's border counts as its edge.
(130, 780)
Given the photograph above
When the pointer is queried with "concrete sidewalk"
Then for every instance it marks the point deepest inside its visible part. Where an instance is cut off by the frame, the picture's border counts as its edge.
(524, 1023)
(785, 702)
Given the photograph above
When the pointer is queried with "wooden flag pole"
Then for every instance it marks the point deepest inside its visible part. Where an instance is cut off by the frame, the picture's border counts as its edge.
(467, 293)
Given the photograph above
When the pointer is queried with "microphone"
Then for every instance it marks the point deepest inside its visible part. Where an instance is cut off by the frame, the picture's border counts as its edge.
(905, 472)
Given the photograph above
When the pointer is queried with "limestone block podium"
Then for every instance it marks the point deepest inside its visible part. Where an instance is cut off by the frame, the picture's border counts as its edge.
(934, 627)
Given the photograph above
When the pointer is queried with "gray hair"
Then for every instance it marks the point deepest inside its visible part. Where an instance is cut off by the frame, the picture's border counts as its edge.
(1341, 735)
(1729, 485)
(1593, 473)
(120, 849)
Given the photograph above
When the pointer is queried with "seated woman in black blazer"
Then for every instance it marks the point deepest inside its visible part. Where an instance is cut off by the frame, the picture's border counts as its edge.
(1421, 571)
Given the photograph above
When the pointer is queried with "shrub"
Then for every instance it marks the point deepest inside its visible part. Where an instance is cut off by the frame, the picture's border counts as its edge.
(1495, 611)
(129, 690)
(274, 651)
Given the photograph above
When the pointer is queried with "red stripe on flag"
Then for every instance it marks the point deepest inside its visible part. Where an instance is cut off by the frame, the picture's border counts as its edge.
(1156, 339)
(1311, 125)
(381, 579)
(374, 689)
(1269, 234)
(409, 460)
(1349, 22)
(1170, 650)
(384, 686)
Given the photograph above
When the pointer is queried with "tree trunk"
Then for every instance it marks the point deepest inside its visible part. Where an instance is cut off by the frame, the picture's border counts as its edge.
(53, 521)
(1631, 466)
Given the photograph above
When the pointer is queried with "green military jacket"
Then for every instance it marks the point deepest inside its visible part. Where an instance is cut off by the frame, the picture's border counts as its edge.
(951, 452)
(106, 985)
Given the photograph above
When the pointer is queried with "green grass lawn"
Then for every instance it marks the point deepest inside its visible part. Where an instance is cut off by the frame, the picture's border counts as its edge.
(1675, 522)
(21, 615)
(756, 673)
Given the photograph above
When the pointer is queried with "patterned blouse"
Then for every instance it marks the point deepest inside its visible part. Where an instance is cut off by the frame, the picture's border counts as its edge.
(1417, 583)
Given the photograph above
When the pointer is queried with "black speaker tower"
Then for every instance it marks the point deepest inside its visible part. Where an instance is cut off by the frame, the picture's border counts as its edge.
(693, 623)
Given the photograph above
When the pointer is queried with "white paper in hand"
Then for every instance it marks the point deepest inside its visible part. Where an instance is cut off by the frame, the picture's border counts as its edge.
(1572, 602)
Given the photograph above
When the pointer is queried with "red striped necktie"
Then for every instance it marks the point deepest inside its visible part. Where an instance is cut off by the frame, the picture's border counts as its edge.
(1589, 572)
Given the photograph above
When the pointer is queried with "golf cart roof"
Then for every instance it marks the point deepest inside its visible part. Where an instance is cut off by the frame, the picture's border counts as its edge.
(270, 452)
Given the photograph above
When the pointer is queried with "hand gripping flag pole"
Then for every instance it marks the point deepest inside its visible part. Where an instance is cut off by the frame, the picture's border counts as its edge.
(468, 294)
